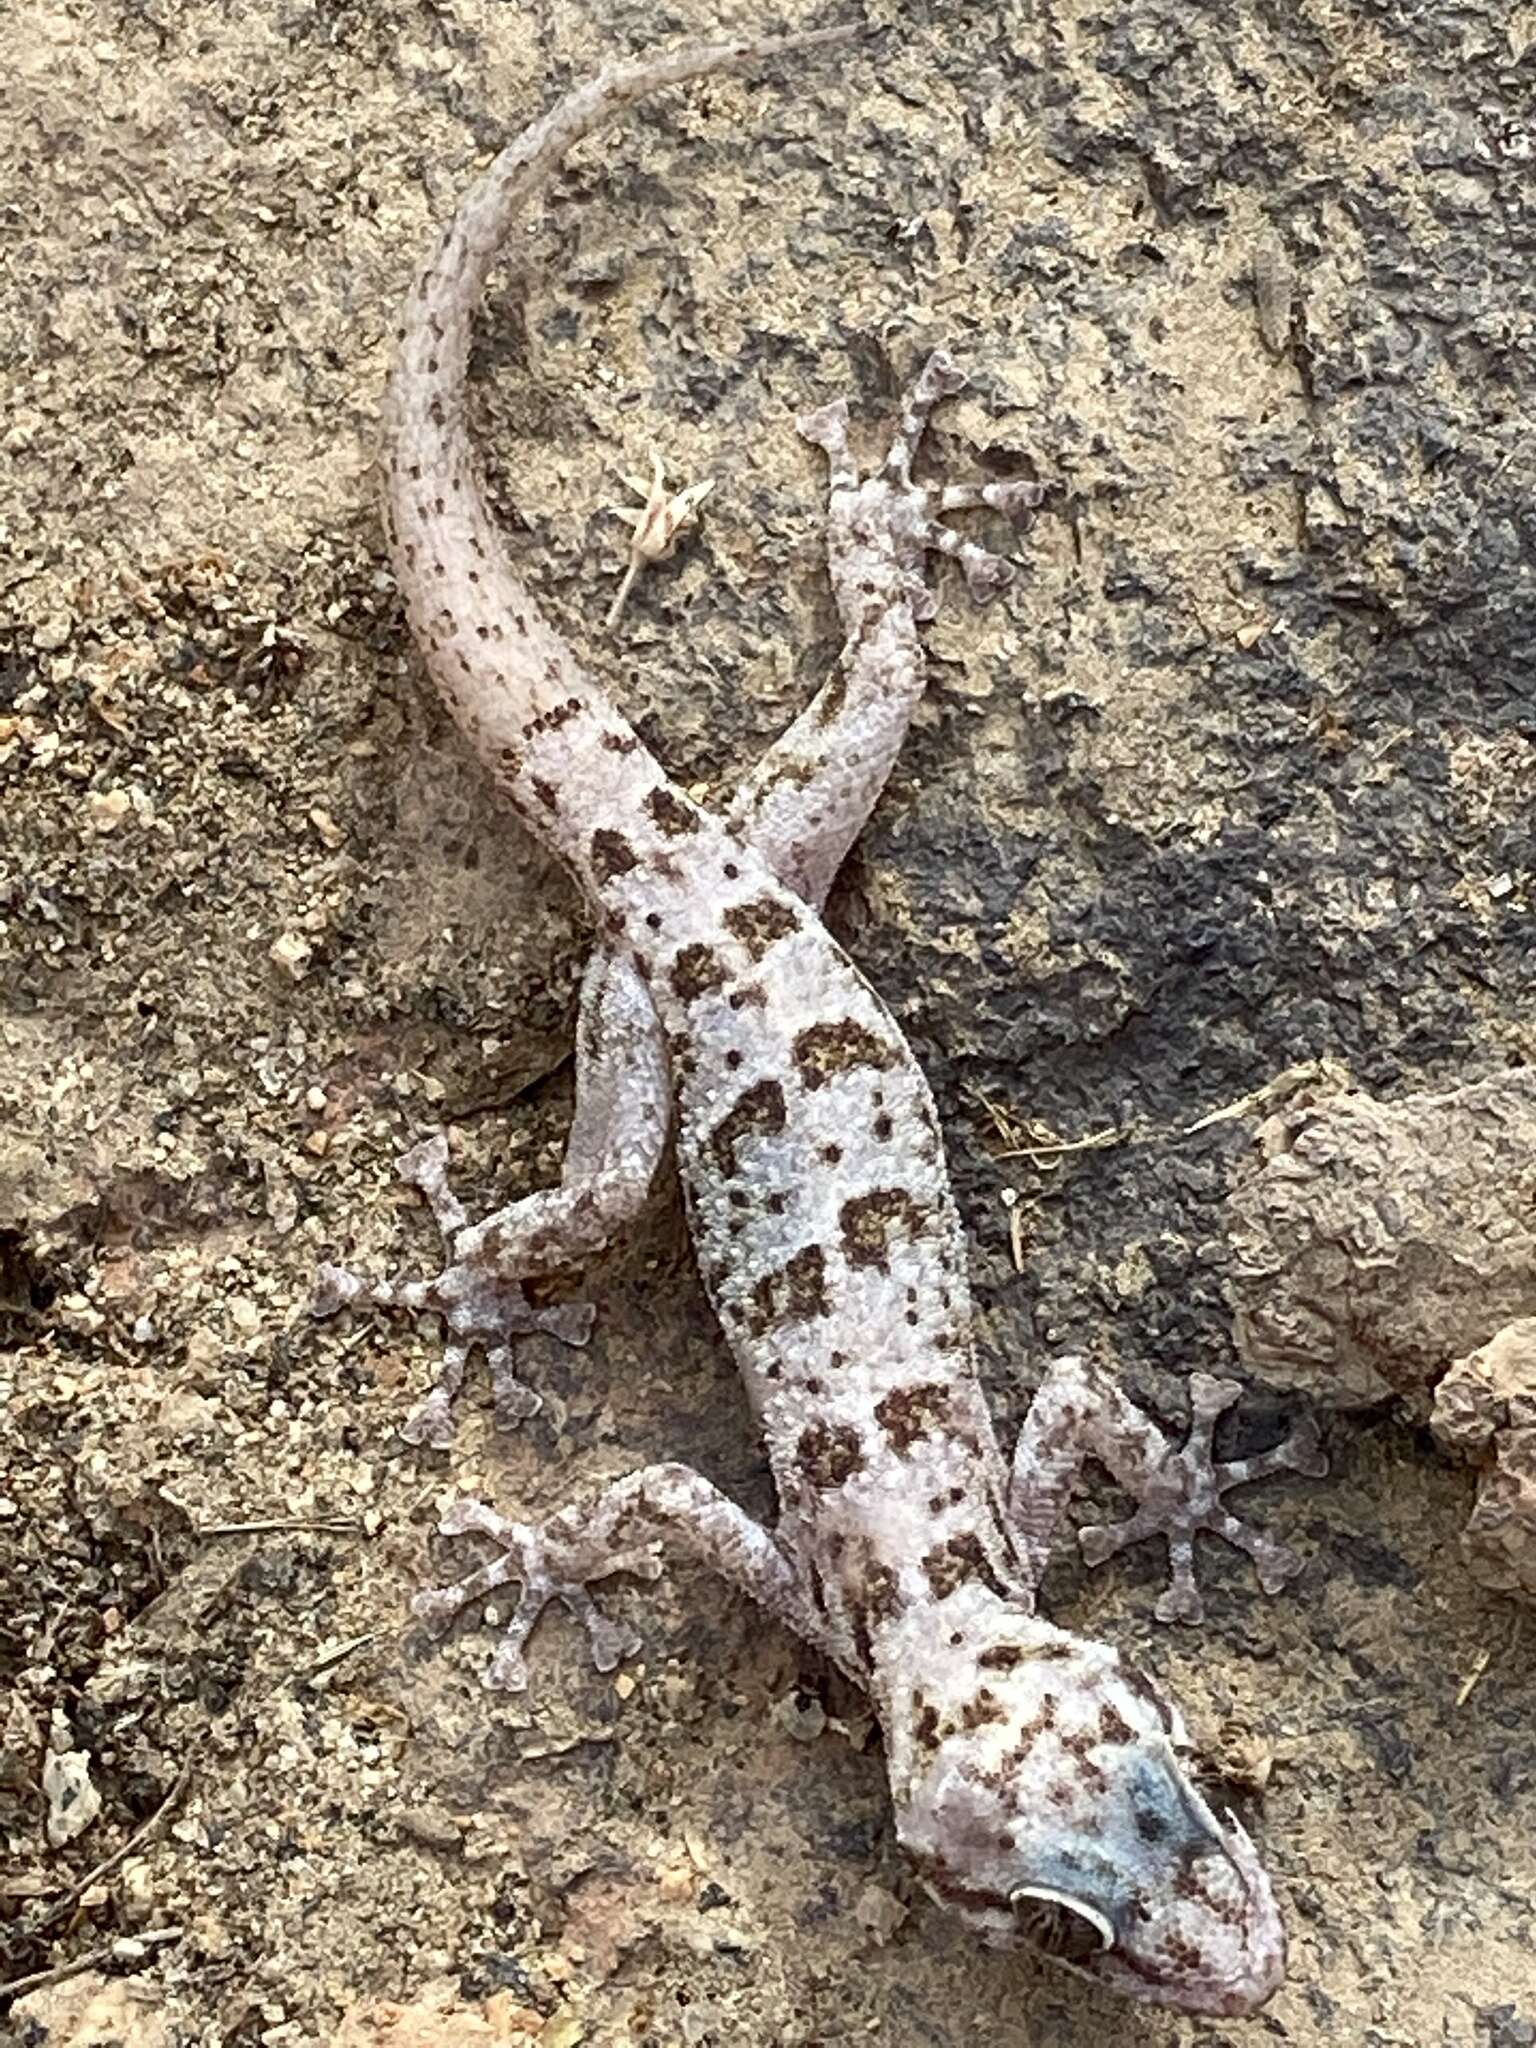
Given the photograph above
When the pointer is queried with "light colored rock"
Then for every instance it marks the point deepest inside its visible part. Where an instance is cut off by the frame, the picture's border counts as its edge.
(1375, 1242)
(73, 1801)
(92, 2011)
(1485, 1409)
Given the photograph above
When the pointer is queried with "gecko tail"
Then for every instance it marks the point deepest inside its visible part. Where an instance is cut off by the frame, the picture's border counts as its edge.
(513, 686)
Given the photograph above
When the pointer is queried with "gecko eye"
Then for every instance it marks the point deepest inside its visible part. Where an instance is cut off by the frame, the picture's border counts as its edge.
(1058, 1925)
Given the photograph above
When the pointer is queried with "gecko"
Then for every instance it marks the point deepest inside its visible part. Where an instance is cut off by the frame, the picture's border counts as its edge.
(1040, 1782)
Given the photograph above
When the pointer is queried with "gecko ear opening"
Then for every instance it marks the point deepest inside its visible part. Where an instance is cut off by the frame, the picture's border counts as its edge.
(1058, 1925)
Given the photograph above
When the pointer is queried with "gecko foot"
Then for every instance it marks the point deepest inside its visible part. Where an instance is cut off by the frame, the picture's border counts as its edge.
(1183, 1495)
(530, 1559)
(907, 514)
(478, 1306)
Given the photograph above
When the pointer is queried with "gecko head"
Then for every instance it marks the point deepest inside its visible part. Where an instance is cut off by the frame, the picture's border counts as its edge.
(1043, 1799)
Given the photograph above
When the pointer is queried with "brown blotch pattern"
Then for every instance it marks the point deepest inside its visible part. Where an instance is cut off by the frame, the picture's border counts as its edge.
(829, 1454)
(793, 1294)
(1186, 1885)
(612, 855)
(977, 1712)
(823, 1050)
(910, 1412)
(1113, 1726)
(697, 971)
(760, 924)
(759, 1108)
(1001, 1657)
(870, 1222)
(832, 698)
(671, 813)
(557, 714)
(949, 1565)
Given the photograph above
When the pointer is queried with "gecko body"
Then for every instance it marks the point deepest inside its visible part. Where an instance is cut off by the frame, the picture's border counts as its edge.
(1036, 1776)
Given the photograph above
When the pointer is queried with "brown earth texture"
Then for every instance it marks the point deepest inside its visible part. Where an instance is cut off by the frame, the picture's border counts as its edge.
(1236, 779)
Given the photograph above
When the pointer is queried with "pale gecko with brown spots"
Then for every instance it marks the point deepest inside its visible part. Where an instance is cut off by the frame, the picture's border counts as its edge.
(1038, 1779)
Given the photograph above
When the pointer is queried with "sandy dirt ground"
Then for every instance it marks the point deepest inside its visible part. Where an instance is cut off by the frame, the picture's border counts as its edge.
(1237, 778)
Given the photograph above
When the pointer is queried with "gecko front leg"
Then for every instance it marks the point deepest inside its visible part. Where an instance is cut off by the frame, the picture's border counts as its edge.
(1079, 1413)
(668, 1506)
(618, 1133)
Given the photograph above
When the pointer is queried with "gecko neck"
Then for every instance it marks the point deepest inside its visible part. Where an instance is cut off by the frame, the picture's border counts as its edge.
(939, 1665)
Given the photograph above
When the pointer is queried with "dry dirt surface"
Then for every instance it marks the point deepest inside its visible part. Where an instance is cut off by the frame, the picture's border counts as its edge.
(1237, 778)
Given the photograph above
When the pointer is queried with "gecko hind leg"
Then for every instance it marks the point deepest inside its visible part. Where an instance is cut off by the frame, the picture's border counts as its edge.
(624, 1530)
(1079, 1413)
(478, 1307)
(527, 1558)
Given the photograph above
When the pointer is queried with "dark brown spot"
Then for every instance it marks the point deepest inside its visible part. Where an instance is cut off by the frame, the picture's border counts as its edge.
(925, 1729)
(882, 1592)
(863, 1641)
(797, 1291)
(829, 1454)
(870, 1222)
(1185, 1885)
(760, 924)
(672, 813)
(883, 1128)
(794, 772)
(832, 698)
(612, 855)
(1113, 1726)
(760, 1109)
(1000, 1657)
(823, 1050)
(977, 1712)
(620, 742)
(697, 971)
(951, 1564)
(910, 1412)
(545, 792)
